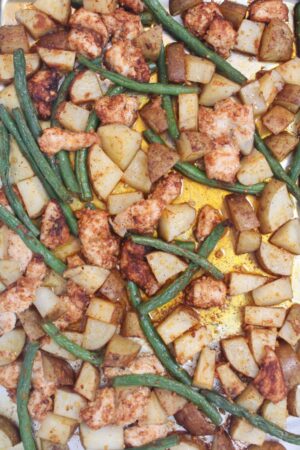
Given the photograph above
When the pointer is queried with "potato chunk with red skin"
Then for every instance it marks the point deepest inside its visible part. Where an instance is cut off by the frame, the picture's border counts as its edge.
(198, 19)
(117, 109)
(205, 292)
(99, 245)
(221, 36)
(122, 25)
(194, 421)
(270, 380)
(42, 88)
(267, 10)
(101, 411)
(141, 435)
(223, 161)
(154, 115)
(54, 229)
(208, 218)
(131, 404)
(128, 60)
(39, 405)
(54, 139)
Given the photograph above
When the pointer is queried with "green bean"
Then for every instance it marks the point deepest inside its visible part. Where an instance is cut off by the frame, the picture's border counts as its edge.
(154, 339)
(23, 94)
(62, 157)
(255, 420)
(31, 241)
(192, 42)
(159, 444)
(81, 353)
(294, 172)
(77, 3)
(188, 245)
(23, 390)
(276, 167)
(147, 88)
(12, 198)
(39, 157)
(297, 27)
(181, 282)
(166, 100)
(11, 126)
(147, 18)
(152, 137)
(115, 90)
(179, 251)
(161, 382)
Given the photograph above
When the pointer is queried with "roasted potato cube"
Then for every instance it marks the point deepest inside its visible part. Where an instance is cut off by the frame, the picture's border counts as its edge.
(177, 323)
(270, 379)
(10, 271)
(276, 412)
(165, 265)
(120, 351)
(72, 247)
(192, 145)
(250, 399)
(72, 117)
(194, 421)
(249, 36)
(100, 6)
(85, 88)
(290, 71)
(242, 283)
(36, 22)
(254, 169)
(175, 220)
(137, 173)
(131, 326)
(290, 364)
(237, 352)
(205, 370)
(55, 40)
(252, 95)
(290, 331)
(293, 401)
(117, 203)
(268, 445)
(273, 293)
(97, 334)
(34, 196)
(8, 97)
(241, 212)
(150, 42)
(59, 10)
(198, 70)
(259, 338)
(219, 88)
(31, 320)
(88, 277)
(188, 112)
(50, 346)
(114, 287)
(275, 260)
(13, 37)
(154, 115)
(231, 383)
(241, 430)
(276, 42)
(191, 343)
(11, 345)
(161, 159)
(62, 60)
(277, 119)
(48, 304)
(282, 144)
(154, 413)
(19, 167)
(175, 62)
(233, 12)
(288, 236)
(57, 429)
(88, 381)
(270, 84)
(275, 206)
(247, 242)
(264, 317)
(289, 97)
(110, 437)
(57, 370)
(104, 310)
(179, 6)
(221, 439)
(68, 404)
(171, 402)
(9, 433)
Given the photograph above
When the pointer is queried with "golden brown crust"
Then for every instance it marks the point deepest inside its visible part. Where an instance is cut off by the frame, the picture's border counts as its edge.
(101, 411)
(208, 218)
(194, 421)
(117, 109)
(54, 229)
(43, 90)
(205, 292)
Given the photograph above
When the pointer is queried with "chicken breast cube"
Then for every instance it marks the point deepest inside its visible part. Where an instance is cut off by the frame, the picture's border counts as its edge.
(168, 188)
(92, 21)
(131, 404)
(42, 88)
(205, 292)
(54, 229)
(136, 436)
(85, 42)
(54, 139)
(122, 25)
(9, 375)
(117, 109)
(198, 19)
(101, 411)
(208, 218)
(267, 10)
(39, 405)
(223, 162)
(221, 36)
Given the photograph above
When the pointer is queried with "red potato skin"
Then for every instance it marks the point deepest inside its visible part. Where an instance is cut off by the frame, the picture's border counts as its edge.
(175, 62)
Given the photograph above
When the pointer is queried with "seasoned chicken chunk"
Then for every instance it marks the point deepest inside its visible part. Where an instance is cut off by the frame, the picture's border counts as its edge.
(7, 322)
(74, 261)
(124, 58)
(168, 188)
(208, 218)
(270, 380)
(135, 267)
(136, 436)
(54, 139)
(122, 25)
(54, 229)
(43, 88)
(145, 363)
(130, 404)
(36, 269)
(9, 375)
(85, 42)
(223, 161)
(198, 18)
(267, 10)
(18, 251)
(82, 18)
(136, 6)
(101, 411)
(76, 301)
(99, 245)
(117, 109)
(205, 292)
(39, 405)
(221, 36)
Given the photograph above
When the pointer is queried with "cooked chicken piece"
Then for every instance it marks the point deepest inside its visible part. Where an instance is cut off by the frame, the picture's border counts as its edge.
(7, 322)
(36, 269)
(270, 380)
(130, 404)
(146, 363)
(154, 115)
(221, 36)
(135, 267)
(137, 6)
(267, 10)
(99, 245)
(74, 261)
(208, 218)
(9, 375)
(83, 18)
(85, 42)
(43, 88)
(136, 436)
(54, 139)
(101, 411)
(168, 188)
(117, 109)
(54, 229)
(205, 292)
(223, 161)
(38, 377)
(124, 58)
(18, 251)
(198, 19)
(39, 405)
(122, 25)
(76, 302)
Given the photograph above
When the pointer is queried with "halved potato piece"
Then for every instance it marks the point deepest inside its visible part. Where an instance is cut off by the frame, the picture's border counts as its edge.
(290, 71)
(275, 260)
(72, 117)
(49, 305)
(19, 167)
(290, 331)
(165, 265)
(259, 338)
(289, 97)
(238, 354)
(249, 37)
(273, 293)
(9, 434)
(188, 106)
(36, 23)
(56, 282)
(281, 144)
(277, 42)
(85, 88)
(219, 88)
(88, 277)
(263, 316)
(161, 159)
(241, 430)
(191, 343)
(11, 345)
(250, 399)
(234, 13)
(177, 323)
(137, 173)
(198, 70)
(205, 370)
(110, 437)
(120, 351)
(231, 383)
(252, 95)
(104, 310)
(30, 320)
(293, 401)
(13, 37)
(88, 381)
(170, 401)
(97, 334)
(131, 326)
(117, 203)
(57, 429)
(34, 196)
(7, 72)
(175, 220)
(241, 283)
(242, 212)
(288, 236)
(254, 169)
(62, 60)
(275, 412)
(247, 241)
(59, 10)
(270, 84)
(68, 404)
